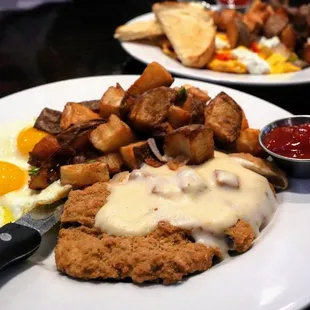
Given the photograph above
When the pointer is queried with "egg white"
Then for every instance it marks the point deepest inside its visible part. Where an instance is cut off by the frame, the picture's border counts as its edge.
(24, 199)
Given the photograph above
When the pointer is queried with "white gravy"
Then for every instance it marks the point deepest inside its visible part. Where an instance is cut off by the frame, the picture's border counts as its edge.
(189, 198)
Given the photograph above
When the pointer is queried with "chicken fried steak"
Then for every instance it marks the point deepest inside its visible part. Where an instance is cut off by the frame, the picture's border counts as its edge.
(167, 254)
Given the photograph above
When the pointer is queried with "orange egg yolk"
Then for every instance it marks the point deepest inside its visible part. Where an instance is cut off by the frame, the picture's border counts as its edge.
(11, 177)
(28, 138)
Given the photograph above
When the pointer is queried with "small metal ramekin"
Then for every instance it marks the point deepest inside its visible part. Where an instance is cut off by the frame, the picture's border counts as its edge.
(298, 168)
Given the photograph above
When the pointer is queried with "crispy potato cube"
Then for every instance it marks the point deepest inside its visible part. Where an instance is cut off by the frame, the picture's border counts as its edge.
(196, 107)
(162, 129)
(245, 123)
(136, 153)
(197, 93)
(252, 23)
(44, 149)
(153, 76)
(194, 142)
(81, 175)
(109, 137)
(151, 108)
(226, 16)
(114, 162)
(178, 117)
(224, 116)
(75, 113)
(111, 101)
(288, 37)
(248, 142)
(238, 33)
(131, 154)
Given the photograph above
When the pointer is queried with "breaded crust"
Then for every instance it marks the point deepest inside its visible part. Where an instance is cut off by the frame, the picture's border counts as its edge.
(167, 254)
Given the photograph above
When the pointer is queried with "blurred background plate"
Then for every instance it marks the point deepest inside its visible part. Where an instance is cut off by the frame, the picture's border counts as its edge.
(147, 53)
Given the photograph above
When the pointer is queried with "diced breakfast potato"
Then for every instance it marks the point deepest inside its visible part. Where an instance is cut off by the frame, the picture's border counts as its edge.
(131, 154)
(114, 162)
(196, 108)
(75, 113)
(40, 180)
(306, 53)
(45, 148)
(151, 108)
(226, 16)
(111, 101)
(81, 175)
(159, 131)
(245, 123)
(194, 142)
(153, 76)
(252, 23)
(238, 34)
(197, 93)
(136, 153)
(178, 117)
(288, 37)
(109, 137)
(224, 116)
(248, 142)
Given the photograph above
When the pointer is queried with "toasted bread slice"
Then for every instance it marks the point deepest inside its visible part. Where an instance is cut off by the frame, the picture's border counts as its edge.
(189, 29)
(148, 29)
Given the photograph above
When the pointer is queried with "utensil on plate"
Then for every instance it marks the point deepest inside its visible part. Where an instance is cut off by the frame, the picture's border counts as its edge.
(21, 239)
(299, 168)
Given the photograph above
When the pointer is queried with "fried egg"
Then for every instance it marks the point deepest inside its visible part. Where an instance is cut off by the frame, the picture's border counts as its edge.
(16, 198)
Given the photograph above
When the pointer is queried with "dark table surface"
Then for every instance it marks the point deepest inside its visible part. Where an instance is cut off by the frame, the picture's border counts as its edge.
(75, 39)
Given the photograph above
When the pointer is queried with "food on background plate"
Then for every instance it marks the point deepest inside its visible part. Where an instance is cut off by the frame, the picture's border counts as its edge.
(158, 186)
(267, 39)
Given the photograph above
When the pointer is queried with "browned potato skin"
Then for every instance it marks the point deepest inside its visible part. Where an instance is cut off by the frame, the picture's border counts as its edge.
(195, 104)
(197, 93)
(153, 76)
(288, 37)
(136, 153)
(248, 142)
(253, 25)
(178, 117)
(109, 137)
(76, 113)
(238, 33)
(224, 116)
(114, 162)
(260, 11)
(226, 16)
(194, 142)
(151, 108)
(306, 53)
(129, 155)
(81, 175)
(245, 123)
(111, 101)
(44, 149)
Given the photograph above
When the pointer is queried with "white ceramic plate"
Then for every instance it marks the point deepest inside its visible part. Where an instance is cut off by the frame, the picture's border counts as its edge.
(146, 54)
(274, 274)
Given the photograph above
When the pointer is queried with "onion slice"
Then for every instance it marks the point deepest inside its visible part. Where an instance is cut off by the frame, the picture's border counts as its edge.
(152, 144)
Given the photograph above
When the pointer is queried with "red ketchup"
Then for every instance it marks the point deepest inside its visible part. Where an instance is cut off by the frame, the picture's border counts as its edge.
(289, 141)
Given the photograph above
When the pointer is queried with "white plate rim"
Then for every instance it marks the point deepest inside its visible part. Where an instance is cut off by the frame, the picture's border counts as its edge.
(66, 88)
(140, 53)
